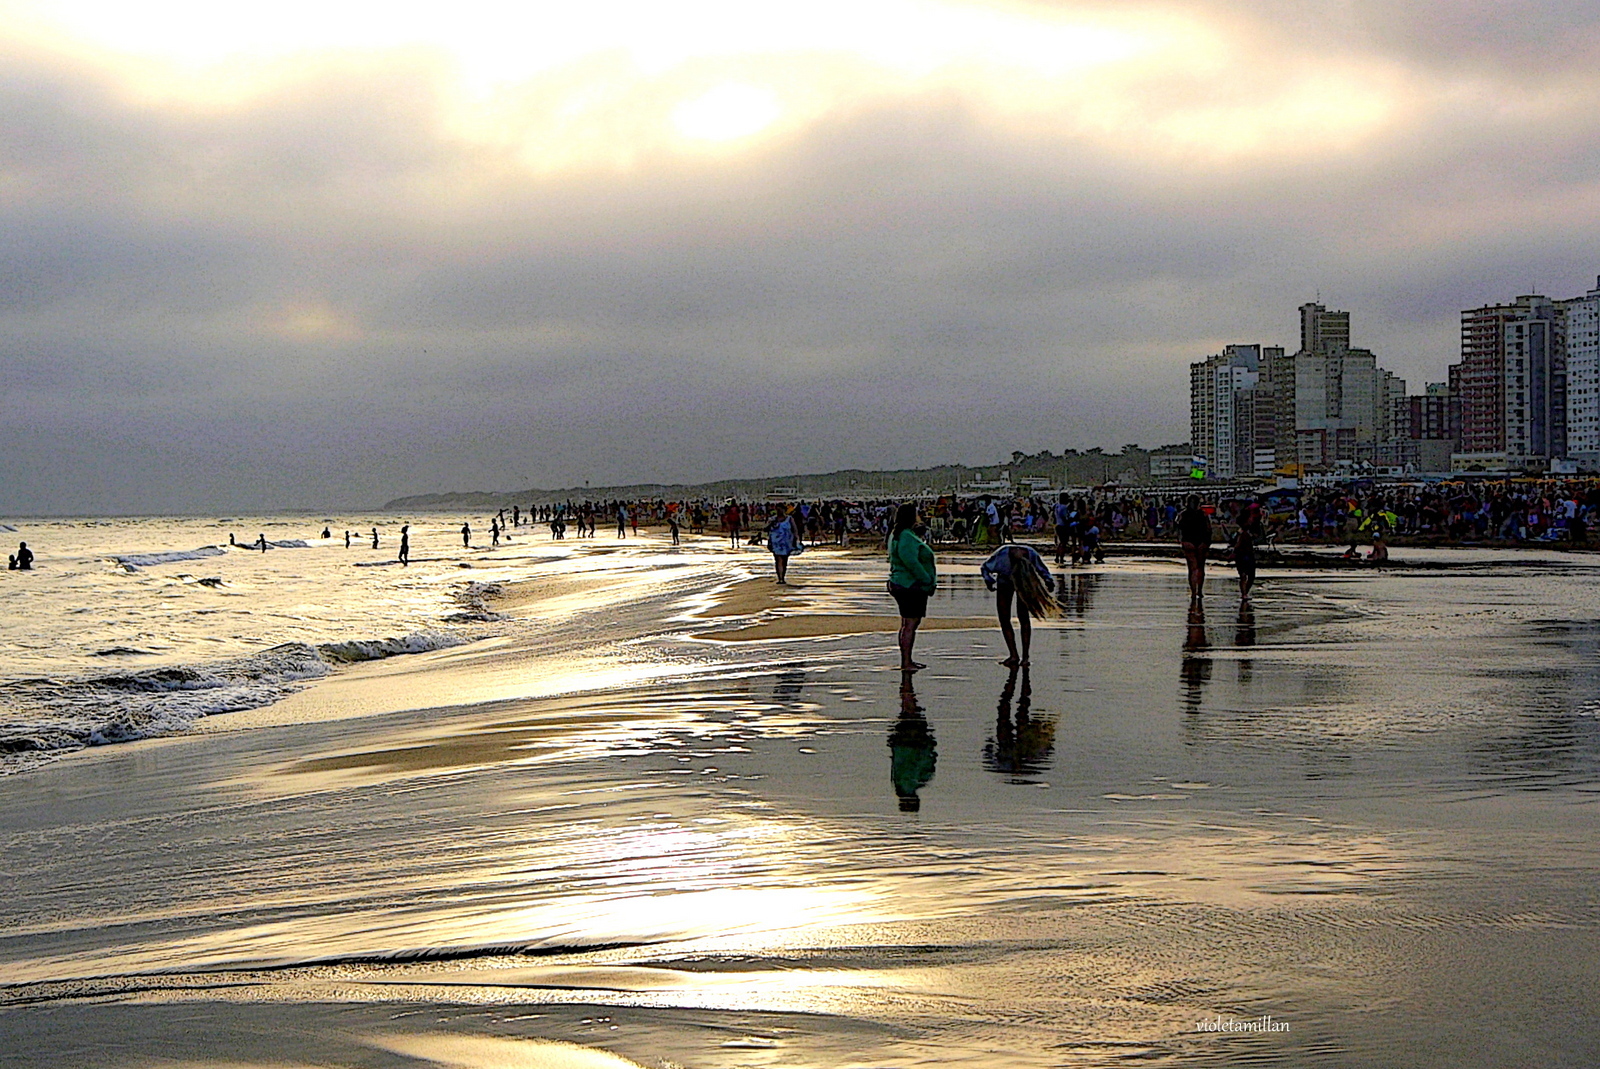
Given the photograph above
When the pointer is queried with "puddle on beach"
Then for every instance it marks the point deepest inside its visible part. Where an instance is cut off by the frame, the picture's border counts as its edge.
(1358, 814)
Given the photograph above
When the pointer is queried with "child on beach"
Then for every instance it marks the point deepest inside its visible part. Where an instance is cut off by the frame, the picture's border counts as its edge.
(1020, 571)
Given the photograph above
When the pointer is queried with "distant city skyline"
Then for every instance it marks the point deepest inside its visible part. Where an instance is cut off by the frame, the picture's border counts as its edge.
(331, 255)
(1523, 396)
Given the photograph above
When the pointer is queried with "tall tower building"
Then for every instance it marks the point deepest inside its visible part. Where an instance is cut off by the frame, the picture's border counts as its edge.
(1333, 402)
(1512, 381)
(1583, 374)
(1222, 410)
(1323, 331)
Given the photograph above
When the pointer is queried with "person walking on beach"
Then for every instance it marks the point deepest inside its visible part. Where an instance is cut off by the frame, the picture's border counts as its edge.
(1061, 513)
(783, 538)
(1194, 534)
(374, 538)
(622, 520)
(913, 576)
(466, 535)
(405, 545)
(494, 533)
(347, 538)
(1244, 548)
(1017, 571)
(674, 521)
(731, 524)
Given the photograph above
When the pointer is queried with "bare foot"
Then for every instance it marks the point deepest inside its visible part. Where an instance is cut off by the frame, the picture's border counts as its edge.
(1011, 662)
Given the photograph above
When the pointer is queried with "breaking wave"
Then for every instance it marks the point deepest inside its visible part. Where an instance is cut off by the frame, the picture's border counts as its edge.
(43, 717)
(145, 560)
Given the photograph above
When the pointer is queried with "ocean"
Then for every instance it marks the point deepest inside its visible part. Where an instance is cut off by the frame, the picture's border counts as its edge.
(559, 808)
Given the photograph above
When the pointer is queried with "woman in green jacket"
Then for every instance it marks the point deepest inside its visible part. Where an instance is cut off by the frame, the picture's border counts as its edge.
(912, 577)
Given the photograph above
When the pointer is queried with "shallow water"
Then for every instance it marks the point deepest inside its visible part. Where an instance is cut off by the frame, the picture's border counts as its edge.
(1363, 808)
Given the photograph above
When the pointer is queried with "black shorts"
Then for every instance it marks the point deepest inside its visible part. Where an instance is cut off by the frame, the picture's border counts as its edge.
(913, 601)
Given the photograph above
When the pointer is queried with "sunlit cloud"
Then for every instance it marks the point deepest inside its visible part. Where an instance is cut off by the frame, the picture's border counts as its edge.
(727, 112)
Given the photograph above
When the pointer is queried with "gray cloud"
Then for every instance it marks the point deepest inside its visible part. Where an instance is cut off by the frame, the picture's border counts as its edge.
(326, 293)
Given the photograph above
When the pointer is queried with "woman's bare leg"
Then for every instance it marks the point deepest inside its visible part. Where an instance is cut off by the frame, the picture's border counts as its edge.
(1002, 608)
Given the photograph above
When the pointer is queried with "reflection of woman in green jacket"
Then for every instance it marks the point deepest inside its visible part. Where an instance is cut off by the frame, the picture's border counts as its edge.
(912, 577)
(912, 753)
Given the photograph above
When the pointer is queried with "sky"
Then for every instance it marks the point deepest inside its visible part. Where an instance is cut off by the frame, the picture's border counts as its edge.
(320, 255)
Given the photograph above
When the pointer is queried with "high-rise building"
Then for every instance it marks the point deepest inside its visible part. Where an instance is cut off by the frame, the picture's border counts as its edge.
(1583, 375)
(1334, 402)
(1323, 331)
(1425, 430)
(1223, 409)
(1512, 381)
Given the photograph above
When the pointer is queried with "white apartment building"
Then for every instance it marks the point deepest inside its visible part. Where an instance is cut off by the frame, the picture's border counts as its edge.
(1583, 373)
(1216, 429)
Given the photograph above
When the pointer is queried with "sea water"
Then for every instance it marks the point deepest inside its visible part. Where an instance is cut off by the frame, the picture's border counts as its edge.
(1351, 823)
(135, 628)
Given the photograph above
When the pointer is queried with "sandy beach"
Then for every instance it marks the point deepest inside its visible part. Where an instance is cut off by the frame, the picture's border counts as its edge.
(1360, 811)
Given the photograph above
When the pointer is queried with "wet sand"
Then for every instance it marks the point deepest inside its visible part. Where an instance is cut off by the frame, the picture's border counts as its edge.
(1362, 808)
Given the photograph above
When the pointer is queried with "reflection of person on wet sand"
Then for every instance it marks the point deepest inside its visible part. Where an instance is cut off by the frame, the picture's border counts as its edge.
(912, 753)
(1244, 636)
(1196, 670)
(1019, 571)
(1020, 748)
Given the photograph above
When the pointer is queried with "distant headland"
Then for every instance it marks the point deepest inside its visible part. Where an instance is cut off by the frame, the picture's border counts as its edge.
(1130, 466)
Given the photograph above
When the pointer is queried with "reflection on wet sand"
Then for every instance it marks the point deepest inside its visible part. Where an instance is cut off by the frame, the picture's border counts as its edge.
(1020, 748)
(1244, 636)
(1075, 593)
(912, 753)
(1195, 670)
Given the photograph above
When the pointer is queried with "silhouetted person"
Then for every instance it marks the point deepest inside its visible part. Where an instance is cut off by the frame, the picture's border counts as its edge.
(466, 536)
(326, 533)
(405, 545)
(261, 542)
(1194, 534)
(347, 539)
(24, 557)
(622, 521)
(231, 540)
(494, 532)
(374, 538)
(912, 753)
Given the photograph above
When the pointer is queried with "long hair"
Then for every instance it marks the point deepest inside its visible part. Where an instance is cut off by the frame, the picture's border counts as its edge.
(905, 518)
(1032, 595)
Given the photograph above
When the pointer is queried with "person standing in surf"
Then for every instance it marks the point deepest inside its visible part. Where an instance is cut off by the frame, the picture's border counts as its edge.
(1016, 571)
(913, 576)
(783, 538)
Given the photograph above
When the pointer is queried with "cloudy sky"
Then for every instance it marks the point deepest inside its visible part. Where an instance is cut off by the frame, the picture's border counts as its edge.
(321, 254)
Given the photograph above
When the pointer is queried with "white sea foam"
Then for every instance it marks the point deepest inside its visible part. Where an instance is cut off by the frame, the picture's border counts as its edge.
(146, 560)
(42, 716)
